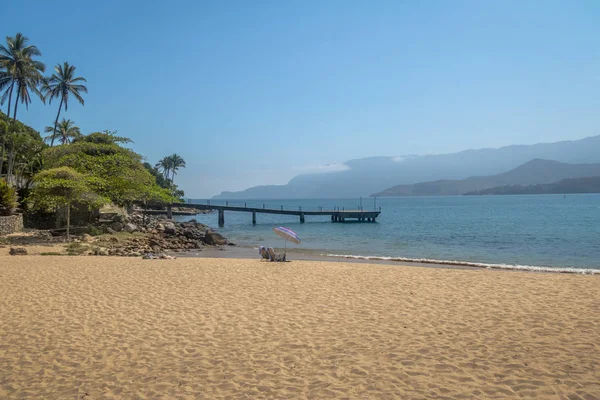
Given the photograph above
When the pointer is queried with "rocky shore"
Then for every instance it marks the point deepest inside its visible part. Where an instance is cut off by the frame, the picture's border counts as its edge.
(133, 235)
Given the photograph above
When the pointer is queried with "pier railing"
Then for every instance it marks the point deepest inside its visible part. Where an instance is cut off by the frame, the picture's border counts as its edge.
(282, 207)
(337, 213)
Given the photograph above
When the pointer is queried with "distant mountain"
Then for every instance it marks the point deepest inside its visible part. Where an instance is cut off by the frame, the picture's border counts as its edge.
(374, 174)
(564, 186)
(536, 171)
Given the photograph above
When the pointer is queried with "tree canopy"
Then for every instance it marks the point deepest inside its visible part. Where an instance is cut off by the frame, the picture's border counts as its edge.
(118, 172)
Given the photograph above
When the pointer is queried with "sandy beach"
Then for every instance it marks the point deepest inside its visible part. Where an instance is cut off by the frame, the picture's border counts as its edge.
(126, 328)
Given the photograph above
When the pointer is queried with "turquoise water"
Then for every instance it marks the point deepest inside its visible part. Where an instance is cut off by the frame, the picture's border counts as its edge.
(536, 230)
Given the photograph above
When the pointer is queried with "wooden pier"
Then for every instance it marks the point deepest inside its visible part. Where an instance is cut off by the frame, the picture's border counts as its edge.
(337, 215)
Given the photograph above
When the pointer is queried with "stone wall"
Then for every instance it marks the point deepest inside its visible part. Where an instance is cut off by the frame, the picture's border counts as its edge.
(11, 224)
(80, 216)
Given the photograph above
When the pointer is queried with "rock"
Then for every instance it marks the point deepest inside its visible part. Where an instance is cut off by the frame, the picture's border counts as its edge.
(170, 228)
(118, 218)
(117, 226)
(110, 231)
(214, 239)
(130, 228)
(160, 227)
(17, 251)
(87, 238)
(193, 234)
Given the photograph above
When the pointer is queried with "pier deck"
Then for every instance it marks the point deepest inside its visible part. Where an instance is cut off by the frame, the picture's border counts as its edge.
(337, 215)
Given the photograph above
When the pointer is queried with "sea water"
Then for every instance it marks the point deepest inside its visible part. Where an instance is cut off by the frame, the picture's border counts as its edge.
(529, 231)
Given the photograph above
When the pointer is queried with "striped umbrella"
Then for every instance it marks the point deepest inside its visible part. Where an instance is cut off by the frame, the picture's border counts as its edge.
(287, 234)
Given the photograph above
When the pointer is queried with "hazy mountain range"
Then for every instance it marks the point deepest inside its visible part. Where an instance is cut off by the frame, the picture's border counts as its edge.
(564, 186)
(536, 171)
(372, 175)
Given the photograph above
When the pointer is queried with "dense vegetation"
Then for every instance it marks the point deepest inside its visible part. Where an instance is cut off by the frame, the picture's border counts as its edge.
(74, 168)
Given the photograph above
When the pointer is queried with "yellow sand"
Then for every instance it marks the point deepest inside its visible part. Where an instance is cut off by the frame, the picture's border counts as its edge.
(121, 328)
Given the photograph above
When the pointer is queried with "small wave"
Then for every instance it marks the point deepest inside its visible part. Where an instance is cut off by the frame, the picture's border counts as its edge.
(570, 270)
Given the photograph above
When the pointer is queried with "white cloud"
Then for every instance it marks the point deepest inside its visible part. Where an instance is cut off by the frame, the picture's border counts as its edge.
(323, 169)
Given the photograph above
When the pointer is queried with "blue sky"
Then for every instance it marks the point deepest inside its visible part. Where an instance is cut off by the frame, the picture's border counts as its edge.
(255, 92)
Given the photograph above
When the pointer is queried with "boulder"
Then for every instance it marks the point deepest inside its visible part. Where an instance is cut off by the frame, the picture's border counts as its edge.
(193, 234)
(130, 228)
(117, 226)
(170, 228)
(17, 251)
(214, 239)
(87, 238)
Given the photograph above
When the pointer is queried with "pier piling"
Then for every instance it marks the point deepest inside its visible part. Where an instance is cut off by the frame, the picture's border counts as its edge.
(221, 217)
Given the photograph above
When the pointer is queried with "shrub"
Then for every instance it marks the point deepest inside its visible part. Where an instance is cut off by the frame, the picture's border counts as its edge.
(8, 199)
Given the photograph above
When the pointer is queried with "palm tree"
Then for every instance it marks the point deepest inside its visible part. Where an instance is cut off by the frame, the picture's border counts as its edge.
(61, 84)
(164, 166)
(176, 162)
(65, 131)
(20, 71)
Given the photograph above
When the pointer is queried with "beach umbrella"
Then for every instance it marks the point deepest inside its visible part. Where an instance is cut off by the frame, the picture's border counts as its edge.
(287, 234)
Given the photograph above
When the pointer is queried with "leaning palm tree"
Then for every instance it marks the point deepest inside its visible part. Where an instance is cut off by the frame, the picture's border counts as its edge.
(176, 162)
(61, 84)
(20, 71)
(65, 131)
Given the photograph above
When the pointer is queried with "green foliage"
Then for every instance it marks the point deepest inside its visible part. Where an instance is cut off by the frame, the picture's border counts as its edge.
(18, 126)
(93, 231)
(62, 186)
(8, 199)
(118, 172)
(105, 137)
(164, 182)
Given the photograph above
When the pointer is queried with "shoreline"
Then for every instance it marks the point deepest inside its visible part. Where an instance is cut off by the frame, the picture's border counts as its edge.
(249, 252)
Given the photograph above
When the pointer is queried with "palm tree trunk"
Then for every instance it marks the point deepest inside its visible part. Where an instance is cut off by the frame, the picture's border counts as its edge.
(68, 218)
(12, 85)
(16, 105)
(2, 156)
(56, 121)
(11, 164)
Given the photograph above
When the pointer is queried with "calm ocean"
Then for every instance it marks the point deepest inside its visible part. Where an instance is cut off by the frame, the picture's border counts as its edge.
(537, 230)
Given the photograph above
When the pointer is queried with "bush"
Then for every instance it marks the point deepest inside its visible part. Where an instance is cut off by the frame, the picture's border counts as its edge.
(93, 231)
(8, 199)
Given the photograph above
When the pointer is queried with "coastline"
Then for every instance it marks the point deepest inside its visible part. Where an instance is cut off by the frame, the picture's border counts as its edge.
(249, 252)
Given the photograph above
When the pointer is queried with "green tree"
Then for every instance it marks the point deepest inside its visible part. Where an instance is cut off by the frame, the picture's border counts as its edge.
(119, 172)
(164, 183)
(61, 84)
(8, 198)
(62, 187)
(65, 131)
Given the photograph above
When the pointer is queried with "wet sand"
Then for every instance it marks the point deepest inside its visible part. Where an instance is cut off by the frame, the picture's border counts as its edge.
(124, 328)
